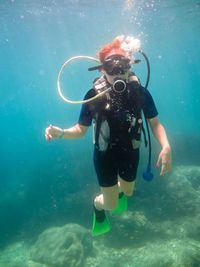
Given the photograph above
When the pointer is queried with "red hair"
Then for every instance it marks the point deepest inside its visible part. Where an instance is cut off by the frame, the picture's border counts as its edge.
(113, 48)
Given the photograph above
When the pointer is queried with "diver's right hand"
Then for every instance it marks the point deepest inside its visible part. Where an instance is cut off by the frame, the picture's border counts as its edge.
(53, 132)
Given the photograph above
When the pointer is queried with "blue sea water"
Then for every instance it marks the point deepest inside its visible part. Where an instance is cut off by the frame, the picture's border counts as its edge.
(37, 178)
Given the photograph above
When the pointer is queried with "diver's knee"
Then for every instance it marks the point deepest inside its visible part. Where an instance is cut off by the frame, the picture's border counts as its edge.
(98, 202)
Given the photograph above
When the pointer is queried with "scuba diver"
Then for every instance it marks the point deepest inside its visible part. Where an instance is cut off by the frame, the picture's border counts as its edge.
(118, 126)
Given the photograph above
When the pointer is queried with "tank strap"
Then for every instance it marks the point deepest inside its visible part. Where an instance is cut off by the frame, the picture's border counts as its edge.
(100, 84)
(138, 109)
(98, 122)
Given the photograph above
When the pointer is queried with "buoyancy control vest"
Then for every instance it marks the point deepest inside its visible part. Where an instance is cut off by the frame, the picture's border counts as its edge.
(117, 117)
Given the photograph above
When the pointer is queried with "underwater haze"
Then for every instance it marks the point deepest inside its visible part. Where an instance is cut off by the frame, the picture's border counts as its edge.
(46, 185)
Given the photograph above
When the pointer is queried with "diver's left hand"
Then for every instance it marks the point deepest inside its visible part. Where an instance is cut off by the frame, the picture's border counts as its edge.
(164, 160)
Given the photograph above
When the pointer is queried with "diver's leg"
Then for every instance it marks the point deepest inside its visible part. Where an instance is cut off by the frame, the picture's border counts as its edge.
(126, 187)
(126, 179)
(108, 198)
(128, 172)
(106, 170)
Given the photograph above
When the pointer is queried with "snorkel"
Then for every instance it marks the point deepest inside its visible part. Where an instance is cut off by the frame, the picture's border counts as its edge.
(130, 45)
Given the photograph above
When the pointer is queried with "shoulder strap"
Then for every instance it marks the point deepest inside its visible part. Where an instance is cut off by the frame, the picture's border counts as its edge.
(134, 85)
(98, 122)
(135, 96)
(99, 85)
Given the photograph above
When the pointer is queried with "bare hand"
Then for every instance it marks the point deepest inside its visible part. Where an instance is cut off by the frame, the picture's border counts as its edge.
(164, 160)
(53, 132)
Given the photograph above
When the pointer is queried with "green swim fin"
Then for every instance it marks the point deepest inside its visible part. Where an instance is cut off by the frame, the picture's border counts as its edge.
(122, 204)
(101, 224)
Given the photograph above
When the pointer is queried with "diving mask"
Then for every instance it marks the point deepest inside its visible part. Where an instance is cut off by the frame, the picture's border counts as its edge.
(116, 64)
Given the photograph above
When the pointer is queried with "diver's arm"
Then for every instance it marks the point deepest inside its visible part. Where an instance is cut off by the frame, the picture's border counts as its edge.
(74, 132)
(159, 132)
(165, 154)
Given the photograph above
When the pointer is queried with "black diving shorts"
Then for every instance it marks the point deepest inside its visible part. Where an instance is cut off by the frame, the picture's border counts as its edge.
(114, 162)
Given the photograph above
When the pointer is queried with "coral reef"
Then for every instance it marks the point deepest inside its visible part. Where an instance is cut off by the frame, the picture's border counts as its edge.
(62, 246)
(161, 228)
(171, 253)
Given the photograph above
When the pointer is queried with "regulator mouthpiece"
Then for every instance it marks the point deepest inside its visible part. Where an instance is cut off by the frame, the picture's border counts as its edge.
(119, 85)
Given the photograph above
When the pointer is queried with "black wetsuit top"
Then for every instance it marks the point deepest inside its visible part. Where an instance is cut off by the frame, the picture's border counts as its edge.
(121, 159)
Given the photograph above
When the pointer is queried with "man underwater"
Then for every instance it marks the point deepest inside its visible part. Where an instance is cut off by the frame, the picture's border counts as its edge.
(118, 127)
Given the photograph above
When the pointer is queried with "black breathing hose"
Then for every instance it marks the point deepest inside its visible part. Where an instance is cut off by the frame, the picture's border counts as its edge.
(146, 123)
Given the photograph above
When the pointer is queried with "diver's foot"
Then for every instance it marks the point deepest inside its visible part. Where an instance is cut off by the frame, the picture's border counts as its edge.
(122, 204)
(101, 224)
